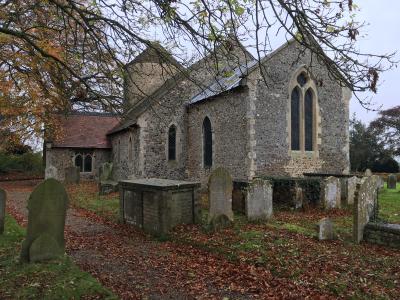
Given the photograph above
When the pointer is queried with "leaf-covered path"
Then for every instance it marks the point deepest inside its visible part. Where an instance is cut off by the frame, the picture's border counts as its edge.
(136, 266)
(276, 260)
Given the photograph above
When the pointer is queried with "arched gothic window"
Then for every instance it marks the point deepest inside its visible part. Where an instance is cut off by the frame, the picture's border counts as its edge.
(172, 143)
(87, 167)
(79, 162)
(84, 161)
(302, 114)
(207, 143)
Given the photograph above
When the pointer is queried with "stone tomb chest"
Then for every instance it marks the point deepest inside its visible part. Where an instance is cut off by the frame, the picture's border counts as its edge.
(157, 205)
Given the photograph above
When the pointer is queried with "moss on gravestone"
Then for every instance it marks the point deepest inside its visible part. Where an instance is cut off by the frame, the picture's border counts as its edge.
(44, 248)
(47, 206)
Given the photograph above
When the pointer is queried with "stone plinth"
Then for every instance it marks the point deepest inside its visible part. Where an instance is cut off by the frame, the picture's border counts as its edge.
(158, 205)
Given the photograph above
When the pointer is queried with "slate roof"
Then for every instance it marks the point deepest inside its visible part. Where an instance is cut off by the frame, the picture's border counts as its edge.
(87, 130)
(222, 84)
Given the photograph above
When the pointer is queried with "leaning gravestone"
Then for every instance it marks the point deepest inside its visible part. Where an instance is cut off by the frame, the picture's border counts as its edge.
(72, 175)
(331, 194)
(325, 229)
(51, 172)
(365, 202)
(392, 180)
(47, 206)
(220, 188)
(3, 197)
(259, 200)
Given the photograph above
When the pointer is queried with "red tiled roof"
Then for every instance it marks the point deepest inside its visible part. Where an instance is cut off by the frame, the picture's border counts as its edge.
(86, 131)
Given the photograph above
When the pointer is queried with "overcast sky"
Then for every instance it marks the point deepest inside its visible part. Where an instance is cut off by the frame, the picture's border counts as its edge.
(383, 37)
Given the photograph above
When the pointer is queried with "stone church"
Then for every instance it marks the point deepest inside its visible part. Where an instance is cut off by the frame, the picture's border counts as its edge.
(281, 116)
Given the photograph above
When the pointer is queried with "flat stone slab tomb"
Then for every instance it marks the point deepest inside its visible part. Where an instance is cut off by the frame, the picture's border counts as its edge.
(157, 205)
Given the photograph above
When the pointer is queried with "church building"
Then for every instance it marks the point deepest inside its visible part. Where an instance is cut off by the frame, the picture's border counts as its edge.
(281, 116)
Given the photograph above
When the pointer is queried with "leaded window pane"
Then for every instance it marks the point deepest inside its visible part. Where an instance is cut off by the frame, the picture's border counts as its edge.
(295, 119)
(79, 162)
(308, 120)
(207, 142)
(172, 143)
(302, 79)
(88, 163)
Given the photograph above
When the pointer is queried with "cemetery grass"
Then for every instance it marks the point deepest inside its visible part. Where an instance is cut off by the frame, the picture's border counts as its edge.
(389, 205)
(85, 195)
(57, 279)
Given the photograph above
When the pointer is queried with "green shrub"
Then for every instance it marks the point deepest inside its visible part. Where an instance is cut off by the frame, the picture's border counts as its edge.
(27, 162)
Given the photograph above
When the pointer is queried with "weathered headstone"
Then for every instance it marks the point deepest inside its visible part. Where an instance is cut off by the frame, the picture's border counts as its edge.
(220, 188)
(47, 206)
(331, 194)
(351, 189)
(259, 200)
(392, 181)
(3, 197)
(325, 229)
(105, 172)
(368, 172)
(72, 175)
(365, 202)
(51, 172)
(298, 197)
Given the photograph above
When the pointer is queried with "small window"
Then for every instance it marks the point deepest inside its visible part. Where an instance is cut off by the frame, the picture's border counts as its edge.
(79, 162)
(119, 150)
(302, 79)
(88, 163)
(207, 143)
(295, 119)
(130, 149)
(172, 143)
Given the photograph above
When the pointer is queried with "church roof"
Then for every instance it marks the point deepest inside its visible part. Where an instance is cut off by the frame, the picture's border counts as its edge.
(231, 80)
(86, 130)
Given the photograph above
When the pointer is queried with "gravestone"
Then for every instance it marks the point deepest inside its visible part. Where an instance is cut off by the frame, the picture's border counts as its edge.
(220, 188)
(259, 200)
(3, 197)
(365, 202)
(325, 229)
(51, 172)
(298, 197)
(47, 206)
(368, 172)
(72, 175)
(392, 180)
(351, 189)
(381, 183)
(331, 194)
(105, 172)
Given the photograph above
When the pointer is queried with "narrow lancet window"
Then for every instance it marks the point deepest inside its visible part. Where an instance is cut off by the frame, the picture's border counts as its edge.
(308, 121)
(295, 119)
(172, 143)
(207, 143)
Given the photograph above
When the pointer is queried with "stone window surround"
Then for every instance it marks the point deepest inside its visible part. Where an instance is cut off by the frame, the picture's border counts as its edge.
(83, 154)
(178, 144)
(212, 143)
(316, 116)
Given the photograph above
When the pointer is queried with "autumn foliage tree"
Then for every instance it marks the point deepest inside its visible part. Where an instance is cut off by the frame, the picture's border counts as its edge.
(55, 54)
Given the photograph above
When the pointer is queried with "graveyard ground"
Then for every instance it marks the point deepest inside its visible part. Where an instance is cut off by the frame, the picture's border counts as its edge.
(281, 258)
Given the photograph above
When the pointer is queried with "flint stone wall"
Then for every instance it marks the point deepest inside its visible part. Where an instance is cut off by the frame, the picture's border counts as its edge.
(62, 158)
